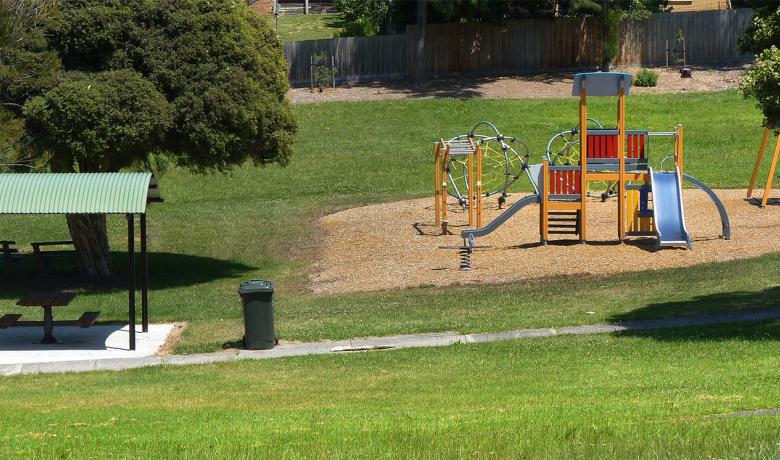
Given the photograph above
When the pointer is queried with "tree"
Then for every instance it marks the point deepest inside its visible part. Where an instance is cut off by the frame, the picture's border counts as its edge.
(97, 122)
(203, 82)
(763, 79)
(27, 68)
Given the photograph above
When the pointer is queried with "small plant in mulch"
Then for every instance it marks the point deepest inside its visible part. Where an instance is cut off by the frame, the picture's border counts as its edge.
(646, 78)
(324, 74)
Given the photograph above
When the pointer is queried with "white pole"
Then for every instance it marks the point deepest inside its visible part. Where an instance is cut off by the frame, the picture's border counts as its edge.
(305, 6)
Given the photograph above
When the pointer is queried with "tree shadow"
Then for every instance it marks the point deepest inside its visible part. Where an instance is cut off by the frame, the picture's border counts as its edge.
(166, 271)
(722, 305)
(460, 86)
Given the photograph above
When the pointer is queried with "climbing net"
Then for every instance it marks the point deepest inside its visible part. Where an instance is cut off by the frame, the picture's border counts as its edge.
(504, 162)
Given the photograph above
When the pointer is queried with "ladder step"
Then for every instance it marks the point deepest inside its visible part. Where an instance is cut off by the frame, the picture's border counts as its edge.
(562, 219)
(562, 213)
(562, 226)
(562, 232)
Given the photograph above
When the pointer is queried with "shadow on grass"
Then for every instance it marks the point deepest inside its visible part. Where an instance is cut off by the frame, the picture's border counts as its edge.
(463, 86)
(711, 304)
(166, 271)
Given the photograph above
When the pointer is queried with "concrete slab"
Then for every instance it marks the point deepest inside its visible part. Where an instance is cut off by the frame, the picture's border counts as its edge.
(511, 335)
(200, 358)
(19, 345)
(112, 354)
(431, 339)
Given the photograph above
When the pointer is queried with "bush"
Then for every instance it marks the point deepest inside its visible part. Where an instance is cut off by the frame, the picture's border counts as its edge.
(762, 82)
(646, 78)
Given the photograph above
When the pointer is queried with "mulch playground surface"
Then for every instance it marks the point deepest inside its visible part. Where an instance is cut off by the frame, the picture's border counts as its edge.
(395, 245)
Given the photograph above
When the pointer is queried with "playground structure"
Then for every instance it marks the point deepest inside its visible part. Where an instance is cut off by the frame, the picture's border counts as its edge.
(614, 156)
(471, 166)
(768, 187)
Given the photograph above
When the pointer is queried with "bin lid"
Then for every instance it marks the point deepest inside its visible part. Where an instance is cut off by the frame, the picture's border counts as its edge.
(251, 286)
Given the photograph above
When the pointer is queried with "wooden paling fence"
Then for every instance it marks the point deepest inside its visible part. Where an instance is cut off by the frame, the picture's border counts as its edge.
(524, 46)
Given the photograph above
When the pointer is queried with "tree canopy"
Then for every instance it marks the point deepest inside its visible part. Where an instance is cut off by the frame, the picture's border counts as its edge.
(103, 85)
(219, 66)
(762, 81)
(371, 17)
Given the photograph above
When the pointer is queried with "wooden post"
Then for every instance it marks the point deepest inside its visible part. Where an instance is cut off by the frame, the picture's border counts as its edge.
(760, 158)
(478, 153)
(444, 211)
(543, 208)
(667, 52)
(771, 177)
(621, 165)
(583, 161)
(437, 182)
(471, 189)
(680, 150)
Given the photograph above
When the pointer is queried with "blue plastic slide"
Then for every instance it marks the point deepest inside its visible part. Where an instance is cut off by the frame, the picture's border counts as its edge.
(668, 212)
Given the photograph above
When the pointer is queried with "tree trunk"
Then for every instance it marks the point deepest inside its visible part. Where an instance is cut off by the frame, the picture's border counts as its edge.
(422, 18)
(90, 237)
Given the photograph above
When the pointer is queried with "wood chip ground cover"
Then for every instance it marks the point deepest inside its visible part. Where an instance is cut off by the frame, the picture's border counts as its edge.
(395, 245)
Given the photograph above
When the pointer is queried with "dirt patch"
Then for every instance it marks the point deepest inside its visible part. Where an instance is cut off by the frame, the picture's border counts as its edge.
(395, 245)
(173, 339)
(543, 86)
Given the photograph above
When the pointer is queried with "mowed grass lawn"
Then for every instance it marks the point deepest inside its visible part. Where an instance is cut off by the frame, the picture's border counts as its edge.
(294, 27)
(216, 230)
(650, 395)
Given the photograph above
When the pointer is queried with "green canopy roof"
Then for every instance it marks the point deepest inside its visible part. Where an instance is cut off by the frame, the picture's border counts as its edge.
(76, 193)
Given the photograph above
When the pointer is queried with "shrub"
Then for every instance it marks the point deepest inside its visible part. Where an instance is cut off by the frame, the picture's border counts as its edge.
(646, 78)
(762, 82)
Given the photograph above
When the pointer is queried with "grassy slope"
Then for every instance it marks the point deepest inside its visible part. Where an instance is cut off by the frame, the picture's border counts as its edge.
(214, 231)
(624, 396)
(306, 27)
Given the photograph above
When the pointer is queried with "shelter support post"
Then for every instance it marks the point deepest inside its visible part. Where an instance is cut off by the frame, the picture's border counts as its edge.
(144, 278)
(131, 278)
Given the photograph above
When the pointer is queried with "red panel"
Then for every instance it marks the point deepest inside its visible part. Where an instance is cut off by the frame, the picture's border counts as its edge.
(564, 182)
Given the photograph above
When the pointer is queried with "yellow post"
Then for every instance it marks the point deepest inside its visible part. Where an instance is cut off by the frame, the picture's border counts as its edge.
(583, 161)
(471, 189)
(680, 150)
(444, 211)
(437, 185)
(478, 153)
(771, 177)
(543, 214)
(621, 165)
(761, 151)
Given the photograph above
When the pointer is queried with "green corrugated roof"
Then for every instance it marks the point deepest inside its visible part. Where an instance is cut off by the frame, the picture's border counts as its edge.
(77, 193)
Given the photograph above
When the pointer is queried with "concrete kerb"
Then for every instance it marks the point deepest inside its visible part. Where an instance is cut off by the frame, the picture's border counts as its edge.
(390, 342)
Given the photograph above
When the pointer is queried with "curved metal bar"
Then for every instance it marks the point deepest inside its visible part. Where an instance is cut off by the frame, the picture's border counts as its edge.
(488, 123)
(724, 217)
(562, 133)
(471, 233)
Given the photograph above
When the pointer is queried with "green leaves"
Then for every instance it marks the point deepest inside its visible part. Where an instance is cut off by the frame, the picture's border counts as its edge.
(762, 81)
(218, 68)
(98, 122)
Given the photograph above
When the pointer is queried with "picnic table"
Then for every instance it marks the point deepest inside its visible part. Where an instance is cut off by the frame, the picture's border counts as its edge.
(47, 300)
(9, 254)
(43, 256)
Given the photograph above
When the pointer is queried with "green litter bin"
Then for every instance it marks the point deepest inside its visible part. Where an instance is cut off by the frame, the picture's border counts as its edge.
(257, 301)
